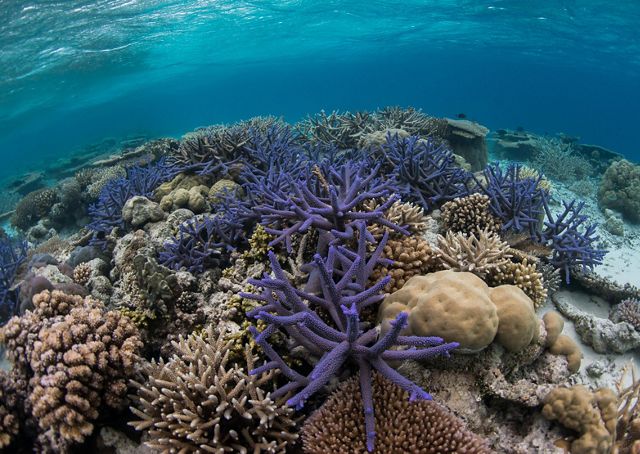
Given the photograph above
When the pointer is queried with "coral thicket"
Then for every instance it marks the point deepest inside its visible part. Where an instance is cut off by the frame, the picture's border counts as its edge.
(418, 427)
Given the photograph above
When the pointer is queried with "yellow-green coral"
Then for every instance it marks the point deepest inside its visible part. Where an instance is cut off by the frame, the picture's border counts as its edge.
(259, 243)
(140, 318)
(528, 172)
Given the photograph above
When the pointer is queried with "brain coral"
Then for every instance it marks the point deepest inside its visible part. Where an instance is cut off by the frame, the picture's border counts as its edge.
(460, 307)
(402, 426)
(447, 304)
(620, 189)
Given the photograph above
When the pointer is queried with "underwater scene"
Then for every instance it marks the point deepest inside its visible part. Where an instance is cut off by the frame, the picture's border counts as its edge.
(319, 227)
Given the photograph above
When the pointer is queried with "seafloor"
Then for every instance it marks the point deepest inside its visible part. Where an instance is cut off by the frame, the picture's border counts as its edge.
(263, 287)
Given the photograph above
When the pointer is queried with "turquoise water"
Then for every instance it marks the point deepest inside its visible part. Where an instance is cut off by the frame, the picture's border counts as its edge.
(75, 72)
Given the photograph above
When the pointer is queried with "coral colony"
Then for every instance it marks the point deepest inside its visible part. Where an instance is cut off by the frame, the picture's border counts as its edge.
(269, 264)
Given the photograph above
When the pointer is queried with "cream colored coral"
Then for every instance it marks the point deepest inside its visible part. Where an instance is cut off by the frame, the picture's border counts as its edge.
(82, 273)
(566, 346)
(478, 253)
(454, 306)
(518, 325)
(554, 324)
(403, 214)
(524, 275)
(460, 307)
(592, 414)
(196, 402)
(470, 214)
(411, 256)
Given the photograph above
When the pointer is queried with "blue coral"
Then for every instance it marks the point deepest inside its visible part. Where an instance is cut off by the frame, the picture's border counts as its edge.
(571, 238)
(516, 201)
(425, 172)
(106, 213)
(13, 253)
(327, 198)
(201, 243)
(344, 294)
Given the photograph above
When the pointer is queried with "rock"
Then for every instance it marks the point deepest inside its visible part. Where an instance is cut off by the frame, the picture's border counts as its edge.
(602, 334)
(139, 211)
(467, 139)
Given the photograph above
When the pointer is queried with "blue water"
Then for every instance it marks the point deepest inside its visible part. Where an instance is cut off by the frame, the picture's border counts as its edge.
(75, 72)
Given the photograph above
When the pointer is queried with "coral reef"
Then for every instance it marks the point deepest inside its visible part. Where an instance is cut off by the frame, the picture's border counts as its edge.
(403, 214)
(403, 426)
(72, 359)
(470, 215)
(411, 256)
(343, 302)
(558, 160)
(197, 402)
(478, 253)
(620, 189)
(34, 206)
(524, 275)
(592, 414)
(627, 311)
(13, 254)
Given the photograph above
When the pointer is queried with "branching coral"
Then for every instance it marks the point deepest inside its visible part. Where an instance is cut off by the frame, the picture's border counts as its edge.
(106, 213)
(403, 214)
(477, 253)
(411, 256)
(328, 201)
(628, 311)
(524, 275)
(558, 160)
(403, 426)
(572, 240)
(343, 279)
(76, 358)
(201, 243)
(197, 402)
(470, 214)
(514, 199)
(425, 172)
(628, 426)
(9, 416)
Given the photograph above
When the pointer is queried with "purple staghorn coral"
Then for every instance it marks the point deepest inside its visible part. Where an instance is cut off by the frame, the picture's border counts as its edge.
(343, 295)
(517, 201)
(425, 172)
(106, 213)
(201, 244)
(328, 199)
(570, 238)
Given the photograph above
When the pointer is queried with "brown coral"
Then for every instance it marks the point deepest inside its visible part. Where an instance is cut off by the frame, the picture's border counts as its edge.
(33, 207)
(404, 214)
(401, 426)
(411, 256)
(592, 414)
(76, 358)
(82, 273)
(524, 275)
(478, 253)
(196, 402)
(470, 214)
(628, 426)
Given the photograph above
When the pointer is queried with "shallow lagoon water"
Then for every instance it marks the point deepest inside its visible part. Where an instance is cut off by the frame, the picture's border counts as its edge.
(114, 204)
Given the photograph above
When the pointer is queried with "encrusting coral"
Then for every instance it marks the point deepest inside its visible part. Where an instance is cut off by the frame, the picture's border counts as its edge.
(470, 215)
(197, 402)
(592, 414)
(74, 359)
(478, 253)
(403, 427)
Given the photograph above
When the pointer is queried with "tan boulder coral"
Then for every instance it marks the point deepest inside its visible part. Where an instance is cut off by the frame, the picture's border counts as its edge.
(592, 414)
(451, 305)
(461, 307)
(620, 189)
(194, 199)
(518, 325)
(566, 346)
(222, 187)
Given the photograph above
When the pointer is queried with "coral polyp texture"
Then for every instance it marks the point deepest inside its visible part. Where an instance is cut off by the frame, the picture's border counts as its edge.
(470, 214)
(403, 426)
(198, 402)
(72, 360)
(343, 297)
